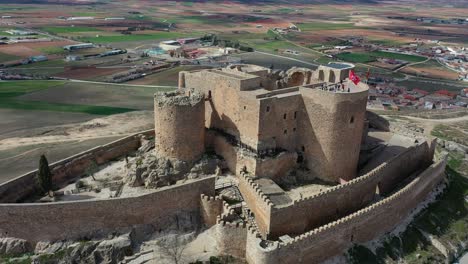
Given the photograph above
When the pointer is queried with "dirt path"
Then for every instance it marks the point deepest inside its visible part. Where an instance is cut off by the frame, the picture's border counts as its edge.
(429, 124)
(411, 64)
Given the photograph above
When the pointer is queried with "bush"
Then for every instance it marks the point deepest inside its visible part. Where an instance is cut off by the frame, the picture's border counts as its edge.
(246, 48)
(80, 184)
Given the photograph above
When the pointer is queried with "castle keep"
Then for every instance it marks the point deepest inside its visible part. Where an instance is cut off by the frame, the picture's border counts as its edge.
(316, 115)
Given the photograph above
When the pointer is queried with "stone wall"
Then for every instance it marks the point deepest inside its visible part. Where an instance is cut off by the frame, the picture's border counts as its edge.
(326, 206)
(326, 241)
(333, 203)
(227, 110)
(257, 202)
(70, 168)
(180, 125)
(231, 238)
(410, 161)
(236, 158)
(211, 208)
(74, 220)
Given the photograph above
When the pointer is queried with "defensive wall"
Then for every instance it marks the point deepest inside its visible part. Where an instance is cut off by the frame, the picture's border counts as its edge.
(211, 208)
(231, 235)
(331, 239)
(74, 220)
(257, 202)
(70, 168)
(333, 203)
(231, 238)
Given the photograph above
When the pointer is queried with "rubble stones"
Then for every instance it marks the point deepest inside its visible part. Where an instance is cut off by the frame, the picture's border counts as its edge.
(13, 246)
(153, 172)
(92, 252)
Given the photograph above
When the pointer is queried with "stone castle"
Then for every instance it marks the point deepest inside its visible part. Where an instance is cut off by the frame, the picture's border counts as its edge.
(265, 124)
(295, 144)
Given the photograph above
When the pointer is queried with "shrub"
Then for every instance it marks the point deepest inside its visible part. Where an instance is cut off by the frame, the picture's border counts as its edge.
(44, 176)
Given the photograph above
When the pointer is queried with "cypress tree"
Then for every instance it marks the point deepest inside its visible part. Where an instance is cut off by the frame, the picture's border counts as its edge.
(44, 176)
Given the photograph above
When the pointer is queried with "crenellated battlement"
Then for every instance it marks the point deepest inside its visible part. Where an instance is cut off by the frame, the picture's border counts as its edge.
(262, 197)
(364, 224)
(211, 207)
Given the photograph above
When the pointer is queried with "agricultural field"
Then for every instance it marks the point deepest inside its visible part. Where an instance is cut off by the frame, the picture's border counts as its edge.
(40, 108)
(432, 69)
(372, 56)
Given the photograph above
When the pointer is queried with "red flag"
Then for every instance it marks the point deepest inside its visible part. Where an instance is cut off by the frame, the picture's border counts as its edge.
(353, 77)
(368, 73)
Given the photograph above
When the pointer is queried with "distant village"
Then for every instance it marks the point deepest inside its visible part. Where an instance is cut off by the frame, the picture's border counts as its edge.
(390, 96)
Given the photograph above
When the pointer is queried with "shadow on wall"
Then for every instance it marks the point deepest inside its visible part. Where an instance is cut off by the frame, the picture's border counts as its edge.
(228, 125)
(371, 158)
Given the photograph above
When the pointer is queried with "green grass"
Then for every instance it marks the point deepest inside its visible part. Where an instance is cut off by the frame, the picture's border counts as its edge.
(315, 26)
(16, 259)
(62, 30)
(189, 4)
(135, 37)
(58, 107)
(272, 45)
(451, 133)
(85, 14)
(398, 56)
(7, 57)
(356, 57)
(285, 10)
(17, 88)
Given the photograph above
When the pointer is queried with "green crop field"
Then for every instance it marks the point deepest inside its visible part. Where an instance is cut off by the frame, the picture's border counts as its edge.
(11, 90)
(88, 109)
(397, 56)
(17, 88)
(62, 30)
(136, 37)
(7, 57)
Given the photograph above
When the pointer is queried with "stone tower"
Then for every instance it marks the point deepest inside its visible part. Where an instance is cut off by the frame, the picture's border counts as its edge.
(332, 132)
(180, 125)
